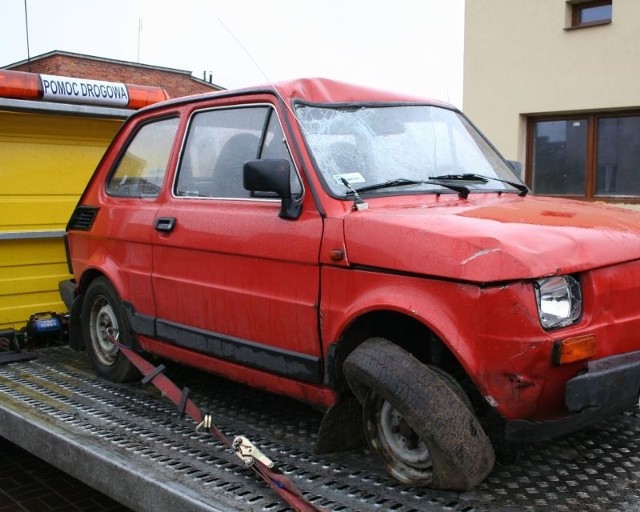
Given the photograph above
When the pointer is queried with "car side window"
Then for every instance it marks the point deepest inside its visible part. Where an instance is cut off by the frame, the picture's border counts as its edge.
(218, 144)
(141, 169)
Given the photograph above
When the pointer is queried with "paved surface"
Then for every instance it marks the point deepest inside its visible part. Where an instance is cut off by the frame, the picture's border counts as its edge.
(28, 484)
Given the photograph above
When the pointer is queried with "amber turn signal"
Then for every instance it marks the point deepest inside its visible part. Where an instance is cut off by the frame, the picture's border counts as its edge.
(574, 349)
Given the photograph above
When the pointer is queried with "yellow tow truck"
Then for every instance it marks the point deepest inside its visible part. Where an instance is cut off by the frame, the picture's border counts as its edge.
(53, 132)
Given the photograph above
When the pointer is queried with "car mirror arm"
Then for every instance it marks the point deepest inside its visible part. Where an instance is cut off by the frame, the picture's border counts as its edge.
(291, 208)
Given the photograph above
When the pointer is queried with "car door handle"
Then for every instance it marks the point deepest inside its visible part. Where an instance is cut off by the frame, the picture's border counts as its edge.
(166, 224)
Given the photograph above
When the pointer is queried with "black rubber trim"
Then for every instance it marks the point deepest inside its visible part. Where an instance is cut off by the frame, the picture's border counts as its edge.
(67, 252)
(607, 380)
(524, 431)
(144, 325)
(67, 291)
(76, 340)
(293, 365)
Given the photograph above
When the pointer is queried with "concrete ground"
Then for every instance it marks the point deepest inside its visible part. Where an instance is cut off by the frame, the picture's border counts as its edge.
(28, 484)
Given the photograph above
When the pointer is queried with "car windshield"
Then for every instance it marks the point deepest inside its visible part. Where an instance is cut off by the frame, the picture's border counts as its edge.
(406, 149)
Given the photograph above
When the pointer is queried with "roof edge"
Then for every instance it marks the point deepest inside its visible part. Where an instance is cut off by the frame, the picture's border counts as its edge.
(54, 53)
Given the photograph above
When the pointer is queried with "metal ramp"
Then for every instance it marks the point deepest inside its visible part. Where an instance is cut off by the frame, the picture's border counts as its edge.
(131, 444)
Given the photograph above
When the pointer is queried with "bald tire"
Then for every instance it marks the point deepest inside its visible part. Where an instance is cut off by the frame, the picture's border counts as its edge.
(433, 405)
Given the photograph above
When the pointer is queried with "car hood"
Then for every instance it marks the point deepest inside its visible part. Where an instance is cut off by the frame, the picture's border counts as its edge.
(484, 239)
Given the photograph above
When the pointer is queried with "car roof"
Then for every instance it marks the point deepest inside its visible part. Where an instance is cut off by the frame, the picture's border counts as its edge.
(311, 90)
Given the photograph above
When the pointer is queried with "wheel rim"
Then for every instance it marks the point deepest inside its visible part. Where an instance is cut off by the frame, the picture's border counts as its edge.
(103, 318)
(405, 455)
(401, 438)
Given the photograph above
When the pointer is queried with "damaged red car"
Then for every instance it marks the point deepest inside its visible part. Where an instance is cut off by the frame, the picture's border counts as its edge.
(369, 253)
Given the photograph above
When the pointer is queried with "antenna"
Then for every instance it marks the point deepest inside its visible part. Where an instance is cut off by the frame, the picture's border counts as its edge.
(139, 32)
(275, 89)
(245, 50)
(26, 27)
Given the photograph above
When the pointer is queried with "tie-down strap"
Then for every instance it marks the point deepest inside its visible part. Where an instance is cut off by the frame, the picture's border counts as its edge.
(244, 449)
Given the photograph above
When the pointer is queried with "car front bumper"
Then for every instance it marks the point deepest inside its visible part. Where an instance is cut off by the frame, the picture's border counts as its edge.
(609, 385)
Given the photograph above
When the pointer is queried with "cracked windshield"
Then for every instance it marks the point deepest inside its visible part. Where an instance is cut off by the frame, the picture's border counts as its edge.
(400, 150)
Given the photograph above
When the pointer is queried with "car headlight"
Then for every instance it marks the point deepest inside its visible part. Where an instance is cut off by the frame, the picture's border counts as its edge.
(559, 301)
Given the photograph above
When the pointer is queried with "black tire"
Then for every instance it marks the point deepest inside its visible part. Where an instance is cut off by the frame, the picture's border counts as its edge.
(102, 310)
(417, 419)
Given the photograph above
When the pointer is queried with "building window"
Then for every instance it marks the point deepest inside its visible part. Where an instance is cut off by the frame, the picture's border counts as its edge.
(618, 156)
(590, 13)
(595, 156)
(559, 157)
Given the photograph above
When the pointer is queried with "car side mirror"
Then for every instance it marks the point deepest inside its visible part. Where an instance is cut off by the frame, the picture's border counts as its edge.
(272, 175)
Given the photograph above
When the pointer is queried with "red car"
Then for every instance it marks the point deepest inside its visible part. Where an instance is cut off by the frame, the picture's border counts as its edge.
(366, 252)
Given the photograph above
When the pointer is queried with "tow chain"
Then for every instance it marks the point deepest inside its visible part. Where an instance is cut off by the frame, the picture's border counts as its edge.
(249, 454)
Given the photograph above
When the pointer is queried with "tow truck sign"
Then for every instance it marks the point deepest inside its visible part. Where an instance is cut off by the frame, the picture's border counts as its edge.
(80, 90)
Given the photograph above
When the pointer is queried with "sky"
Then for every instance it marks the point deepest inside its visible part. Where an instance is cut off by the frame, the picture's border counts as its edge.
(412, 46)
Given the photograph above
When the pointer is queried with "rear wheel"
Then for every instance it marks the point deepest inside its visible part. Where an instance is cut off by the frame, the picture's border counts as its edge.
(418, 419)
(103, 318)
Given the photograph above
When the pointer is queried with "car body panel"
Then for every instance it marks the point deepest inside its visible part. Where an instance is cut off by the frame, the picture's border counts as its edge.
(241, 271)
(490, 238)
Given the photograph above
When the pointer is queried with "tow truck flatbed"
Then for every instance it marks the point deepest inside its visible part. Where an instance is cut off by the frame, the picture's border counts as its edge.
(130, 443)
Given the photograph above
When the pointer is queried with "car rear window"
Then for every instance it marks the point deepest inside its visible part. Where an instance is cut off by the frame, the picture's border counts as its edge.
(141, 169)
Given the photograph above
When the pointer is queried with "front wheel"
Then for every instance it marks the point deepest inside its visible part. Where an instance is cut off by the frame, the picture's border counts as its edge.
(418, 419)
(405, 455)
(102, 318)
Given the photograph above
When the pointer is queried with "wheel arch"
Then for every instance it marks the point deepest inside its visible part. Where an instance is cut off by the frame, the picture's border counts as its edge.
(90, 275)
(407, 331)
(341, 426)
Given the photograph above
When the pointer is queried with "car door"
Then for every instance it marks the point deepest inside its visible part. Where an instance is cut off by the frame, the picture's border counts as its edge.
(232, 279)
(120, 241)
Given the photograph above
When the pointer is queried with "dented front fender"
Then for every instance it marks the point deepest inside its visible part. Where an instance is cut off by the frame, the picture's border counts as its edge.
(493, 332)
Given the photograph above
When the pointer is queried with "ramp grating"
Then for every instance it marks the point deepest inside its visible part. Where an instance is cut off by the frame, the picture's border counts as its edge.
(131, 444)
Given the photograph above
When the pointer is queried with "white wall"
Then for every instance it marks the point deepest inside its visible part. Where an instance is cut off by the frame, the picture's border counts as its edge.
(520, 60)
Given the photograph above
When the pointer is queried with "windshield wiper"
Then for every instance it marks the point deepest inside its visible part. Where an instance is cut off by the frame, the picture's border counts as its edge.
(479, 178)
(462, 191)
(398, 182)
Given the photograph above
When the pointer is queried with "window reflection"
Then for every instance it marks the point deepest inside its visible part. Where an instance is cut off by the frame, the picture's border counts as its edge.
(584, 14)
(597, 13)
(559, 157)
(618, 156)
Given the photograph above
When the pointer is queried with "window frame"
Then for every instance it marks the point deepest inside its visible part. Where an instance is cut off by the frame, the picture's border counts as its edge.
(577, 8)
(591, 160)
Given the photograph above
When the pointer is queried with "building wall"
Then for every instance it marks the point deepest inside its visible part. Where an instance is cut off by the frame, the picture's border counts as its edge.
(177, 83)
(520, 60)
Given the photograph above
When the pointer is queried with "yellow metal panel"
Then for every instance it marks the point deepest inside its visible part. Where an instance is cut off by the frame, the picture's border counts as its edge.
(30, 271)
(26, 253)
(45, 162)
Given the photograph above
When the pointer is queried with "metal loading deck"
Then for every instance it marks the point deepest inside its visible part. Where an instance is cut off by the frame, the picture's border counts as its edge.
(131, 444)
